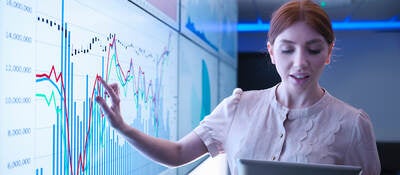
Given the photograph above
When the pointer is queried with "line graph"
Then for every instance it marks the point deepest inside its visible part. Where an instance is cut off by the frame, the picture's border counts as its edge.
(68, 130)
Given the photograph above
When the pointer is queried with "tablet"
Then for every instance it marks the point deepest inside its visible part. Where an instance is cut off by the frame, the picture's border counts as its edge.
(261, 167)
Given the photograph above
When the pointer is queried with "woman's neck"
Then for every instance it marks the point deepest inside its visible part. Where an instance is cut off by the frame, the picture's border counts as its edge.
(295, 98)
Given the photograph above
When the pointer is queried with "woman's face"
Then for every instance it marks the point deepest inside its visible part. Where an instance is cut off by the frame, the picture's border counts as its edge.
(300, 55)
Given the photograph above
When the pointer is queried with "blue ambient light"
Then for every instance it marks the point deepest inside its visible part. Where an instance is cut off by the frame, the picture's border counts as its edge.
(346, 25)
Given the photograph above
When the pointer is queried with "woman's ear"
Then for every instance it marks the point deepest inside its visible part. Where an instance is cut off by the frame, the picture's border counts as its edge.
(270, 51)
(328, 60)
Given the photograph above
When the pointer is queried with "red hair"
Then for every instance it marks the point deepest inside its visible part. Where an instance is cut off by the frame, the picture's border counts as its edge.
(301, 10)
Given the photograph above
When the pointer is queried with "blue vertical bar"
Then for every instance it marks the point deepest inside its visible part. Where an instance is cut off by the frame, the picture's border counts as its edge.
(62, 137)
(72, 136)
(64, 159)
(80, 127)
(73, 106)
(87, 97)
(41, 171)
(94, 137)
(101, 141)
(58, 142)
(87, 151)
(97, 147)
(68, 125)
(112, 153)
(37, 172)
(112, 160)
(100, 128)
(109, 157)
(109, 150)
(53, 150)
(77, 138)
(94, 151)
(104, 149)
(116, 157)
(116, 160)
(82, 147)
(131, 162)
(125, 157)
(87, 112)
(120, 160)
(71, 72)
(75, 119)
(99, 122)
(82, 124)
(97, 144)
(107, 147)
(80, 139)
(102, 66)
(66, 67)
(66, 98)
(129, 159)
(62, 142)
(82, 135)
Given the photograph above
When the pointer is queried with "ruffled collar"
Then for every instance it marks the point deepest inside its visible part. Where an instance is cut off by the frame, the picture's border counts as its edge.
(309, 111)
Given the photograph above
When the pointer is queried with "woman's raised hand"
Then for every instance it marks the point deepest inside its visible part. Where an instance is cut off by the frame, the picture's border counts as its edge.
(112, 112)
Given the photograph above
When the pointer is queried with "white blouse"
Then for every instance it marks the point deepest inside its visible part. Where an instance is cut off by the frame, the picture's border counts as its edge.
(253, 125)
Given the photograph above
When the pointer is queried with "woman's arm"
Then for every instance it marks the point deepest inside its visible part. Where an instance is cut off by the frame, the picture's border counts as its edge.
(163, 151)
(363, 151)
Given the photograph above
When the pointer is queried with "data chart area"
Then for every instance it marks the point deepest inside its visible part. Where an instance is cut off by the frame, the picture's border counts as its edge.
(52, 56)
(171, 64)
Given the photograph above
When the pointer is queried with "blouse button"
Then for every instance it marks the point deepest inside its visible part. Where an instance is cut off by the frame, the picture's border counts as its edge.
(273, 158)
(281, 135)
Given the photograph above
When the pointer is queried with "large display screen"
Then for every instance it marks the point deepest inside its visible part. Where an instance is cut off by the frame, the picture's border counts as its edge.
(166, 10)
(214, 30)
(51, 55)
(198, 85)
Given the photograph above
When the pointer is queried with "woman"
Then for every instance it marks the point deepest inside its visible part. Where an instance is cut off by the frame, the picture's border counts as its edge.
(295, 121)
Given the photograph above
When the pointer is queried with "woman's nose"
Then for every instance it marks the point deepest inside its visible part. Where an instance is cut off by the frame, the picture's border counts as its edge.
(300, 59)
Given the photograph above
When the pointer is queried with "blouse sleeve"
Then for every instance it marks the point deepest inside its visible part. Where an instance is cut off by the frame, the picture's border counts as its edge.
(213, 129)
(363, 151)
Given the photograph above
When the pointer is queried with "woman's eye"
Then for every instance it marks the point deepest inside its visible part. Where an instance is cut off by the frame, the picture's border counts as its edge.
(314, 52)
(287, 51)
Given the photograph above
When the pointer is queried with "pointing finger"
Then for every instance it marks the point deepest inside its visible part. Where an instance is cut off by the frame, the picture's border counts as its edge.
(110, 90)
(104, 105)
